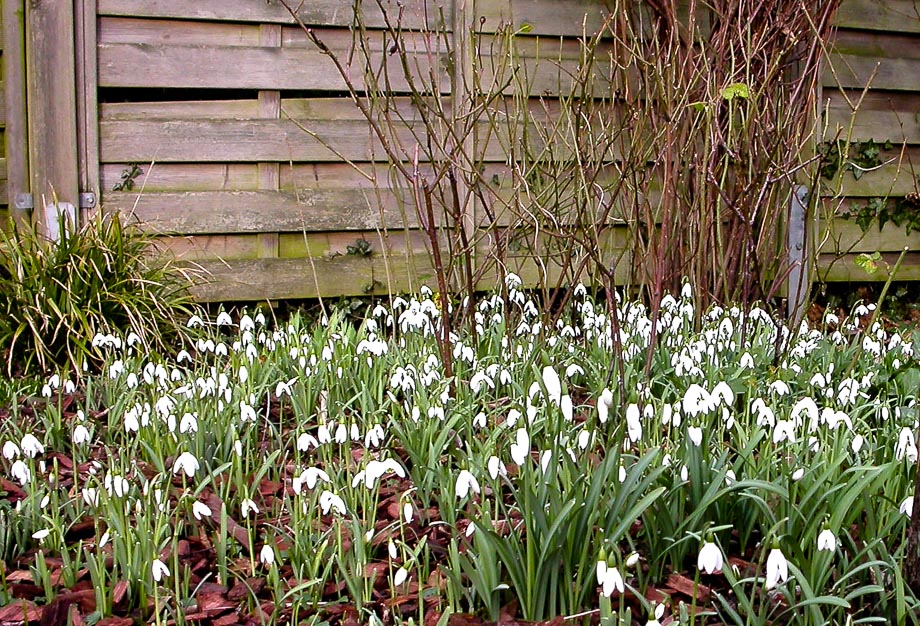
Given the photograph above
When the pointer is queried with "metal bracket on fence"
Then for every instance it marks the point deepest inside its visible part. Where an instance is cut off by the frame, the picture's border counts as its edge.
(87, 200)
(23, 202)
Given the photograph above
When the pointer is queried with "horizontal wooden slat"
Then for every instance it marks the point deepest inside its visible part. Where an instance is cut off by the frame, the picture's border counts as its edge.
(892, 180)
(900, 45)
(416, 13)
(114, 30)
(844, 236)
(886, 15)
(260, 211)
(183, 177)
(881, 126)
(2, 99)
(168, 66)
(855, 72)
(845, 269)
(3, 168)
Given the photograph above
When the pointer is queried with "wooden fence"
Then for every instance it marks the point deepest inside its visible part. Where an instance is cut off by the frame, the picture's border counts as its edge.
(218, 124)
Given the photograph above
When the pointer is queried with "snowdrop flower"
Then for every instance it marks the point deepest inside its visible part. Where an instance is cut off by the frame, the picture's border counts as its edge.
(857, 443)
(907, 506)
(200, 509)
(496, 467)
(40, 535)
(186, 462)
(223, 319)
(90, 496)
(603, 405)
(10, 450)
(80, 435)
(553, 384)
(779, 387)
(520, 450)
(696, 435)
(400, 577)
(565, 405)
(20, 472)
(797, 474)
(31, 446)
(710, 559)
(266, 555)
(777, 568)
(247, 506)
(328, 501)
(305, 441)
(633, 423)
(159, 570)
(116, 485)
(408, 512)
(310, 477)
(466, 482)
(906, 446)
(784, 431)
(609, 578)
(658, 613)
(696, 400)
(827, 540)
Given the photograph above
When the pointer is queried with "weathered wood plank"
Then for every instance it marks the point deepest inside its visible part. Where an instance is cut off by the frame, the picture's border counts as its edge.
(52, 126)
(892, 180)
(114, 30)
(844, 269)
(168, 66)
(885, 15)
(855, 72)
(87, 98)
(900, 45)
(14, 99)
(416, 14)
(182, 110)
(896, 126)
(842, 236)
(261, 211)
(184, 177)
(2, 105)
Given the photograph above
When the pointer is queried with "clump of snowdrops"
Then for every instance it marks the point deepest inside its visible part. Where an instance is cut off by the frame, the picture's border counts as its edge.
(771, 465)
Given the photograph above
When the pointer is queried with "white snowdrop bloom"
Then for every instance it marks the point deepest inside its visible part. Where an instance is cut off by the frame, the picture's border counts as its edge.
(553, 384)
(906, 446)
(188, 424)
(186, 462)
(696, 435)
(401, 575)
(696, 400)
(283, 388)
(374, 437)
(765, 415)
(10, 451)
(611, 580)
(805, 408)
(621, 474)
(847, 391)
(194, 322)
(310, 477)
(200, 509)
(31, 446)
(777, 568)
(747, 362)
(907, 506)
(633, 423)
(116, 485)
(784, 431)
(565, 405)
(684, 473)
(328, 501)
(480, 420)
(584, 439)
(159, 570)
(520, 449)
(247, 412)
(797, 474)
(779, 387)
(266, 555)
(247, 506)
(41, 535)
(710, 558)
(730, 478)
(20, 472)
(466, 482)
(827, 540)
(496, 467)
(658, 613)
(80, 435)
(723, 394)
(857, 443)
(90, 496)
(546, 458)
(632, 559)
(305, 441)
(604, 403)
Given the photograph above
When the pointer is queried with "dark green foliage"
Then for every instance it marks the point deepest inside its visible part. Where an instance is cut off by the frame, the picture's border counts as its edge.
(55, 297)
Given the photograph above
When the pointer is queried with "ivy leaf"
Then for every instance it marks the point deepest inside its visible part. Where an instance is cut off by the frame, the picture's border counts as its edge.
(868, 262)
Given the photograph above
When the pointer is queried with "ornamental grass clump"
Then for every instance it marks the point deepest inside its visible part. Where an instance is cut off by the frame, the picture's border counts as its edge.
(56, 296)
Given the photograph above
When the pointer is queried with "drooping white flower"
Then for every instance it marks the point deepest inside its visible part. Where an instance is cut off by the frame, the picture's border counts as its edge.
(80, 435)
(21, 472)
(658, 614)
(906, 446)
(400, 576)
(247, 506)
(784, 431)
(10, 450)
(186, 462)
(603, 405)
(520, 450)
(710, 559)
(696, 435)
(328, 501)
(777, 568)
(553, 384)
(633, 422)
(496, 467)
(200, 509)
(466, 482)
(31, 446)
(159, 570)
(609, 579)
(827, 540)
(907, 506)
(408, 512)
(266, 555)
(310, 477)
(90, 496)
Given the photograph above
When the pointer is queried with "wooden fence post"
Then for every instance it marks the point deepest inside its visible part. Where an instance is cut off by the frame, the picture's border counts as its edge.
(51, 94)
(14, 74)
(799, 283)
(87, 104)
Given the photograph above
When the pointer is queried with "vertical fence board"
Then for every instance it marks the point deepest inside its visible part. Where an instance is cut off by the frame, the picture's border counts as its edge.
(51, 85)
(87, 98)
(14, 96)
(269, 107)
